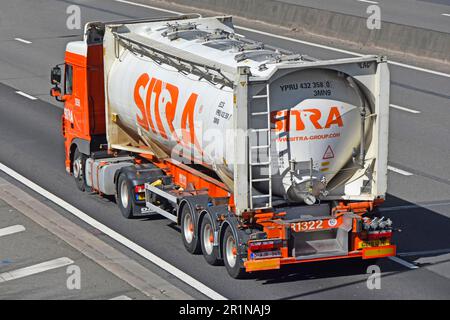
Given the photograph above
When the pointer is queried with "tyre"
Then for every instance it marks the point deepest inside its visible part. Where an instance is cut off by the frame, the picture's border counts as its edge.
(189, 230)
(210, 252)
(233, 262)
(78, 169)
(124, 196)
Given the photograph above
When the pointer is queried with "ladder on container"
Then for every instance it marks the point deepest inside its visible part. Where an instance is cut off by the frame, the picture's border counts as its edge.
(257, 148)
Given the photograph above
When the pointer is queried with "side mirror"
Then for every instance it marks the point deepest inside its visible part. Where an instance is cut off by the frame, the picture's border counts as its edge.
(55, 76)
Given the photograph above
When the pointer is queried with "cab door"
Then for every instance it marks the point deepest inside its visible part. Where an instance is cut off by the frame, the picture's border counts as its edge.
(74, 92)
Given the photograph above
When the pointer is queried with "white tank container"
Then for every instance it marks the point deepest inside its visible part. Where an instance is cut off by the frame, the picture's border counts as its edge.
(315, 116)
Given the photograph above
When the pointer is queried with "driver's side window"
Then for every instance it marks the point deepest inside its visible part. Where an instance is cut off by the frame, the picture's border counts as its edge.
(68, 79)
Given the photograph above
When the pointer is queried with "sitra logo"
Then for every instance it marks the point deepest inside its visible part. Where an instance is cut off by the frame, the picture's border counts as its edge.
(294, 119)
(154, 97)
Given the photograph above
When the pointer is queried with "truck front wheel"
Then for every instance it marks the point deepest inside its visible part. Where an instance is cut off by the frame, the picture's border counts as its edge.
(233, 262)
(78, 169)
(124, 196)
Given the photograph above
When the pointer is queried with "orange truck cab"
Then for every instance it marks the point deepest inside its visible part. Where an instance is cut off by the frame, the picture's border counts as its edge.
(83, 121)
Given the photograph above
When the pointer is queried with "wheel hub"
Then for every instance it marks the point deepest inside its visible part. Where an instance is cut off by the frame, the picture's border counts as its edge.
(208, 239)
(231, 251)
(188, 229)
(124, 197)
(77, 166)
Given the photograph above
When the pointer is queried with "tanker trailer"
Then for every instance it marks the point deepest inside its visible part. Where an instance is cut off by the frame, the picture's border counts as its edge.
(263, 157)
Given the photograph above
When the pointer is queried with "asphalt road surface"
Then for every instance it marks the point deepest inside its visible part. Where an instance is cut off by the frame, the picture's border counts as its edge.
(24, 246)
(419, 179)
(427, 14)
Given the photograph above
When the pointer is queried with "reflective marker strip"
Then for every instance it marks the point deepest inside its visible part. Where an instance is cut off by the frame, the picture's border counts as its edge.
(378, 252)
(259, 265)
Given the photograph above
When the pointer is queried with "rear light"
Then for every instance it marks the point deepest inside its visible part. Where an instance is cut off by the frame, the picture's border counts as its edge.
(139, 192)
(373, 235)
(140, 197)
(139, 188)
(265, 245)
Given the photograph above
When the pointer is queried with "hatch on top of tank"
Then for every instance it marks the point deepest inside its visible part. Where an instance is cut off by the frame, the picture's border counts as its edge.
(207, 38)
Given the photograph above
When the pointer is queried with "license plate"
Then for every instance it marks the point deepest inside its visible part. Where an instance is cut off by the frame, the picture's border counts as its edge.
(373, 243)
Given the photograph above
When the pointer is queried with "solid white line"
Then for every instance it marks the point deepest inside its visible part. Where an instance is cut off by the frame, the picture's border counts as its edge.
(114, 235)
(11, 230)
(26, 95)
(23, 40)
(298, 41)
(400, 171)
(403, 262)
(404, 109)
(367, 1)
(121, 298)
(312, 44)
(147, 6)
(403, 65)
(446, 14)
(34, 269)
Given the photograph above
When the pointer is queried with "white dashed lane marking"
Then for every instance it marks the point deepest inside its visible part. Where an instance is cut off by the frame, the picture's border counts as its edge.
(367, 1)
(404, 109)
(35, 269)
(23, 40)
(400, 171)
(11, 230)
(123, 297)
(26, 95)
(403, 263)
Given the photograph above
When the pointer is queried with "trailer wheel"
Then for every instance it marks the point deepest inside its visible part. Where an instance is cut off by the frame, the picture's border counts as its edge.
(233, 262)
(78, 169)
(124, 196)
(210, 252)
(189, 231)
